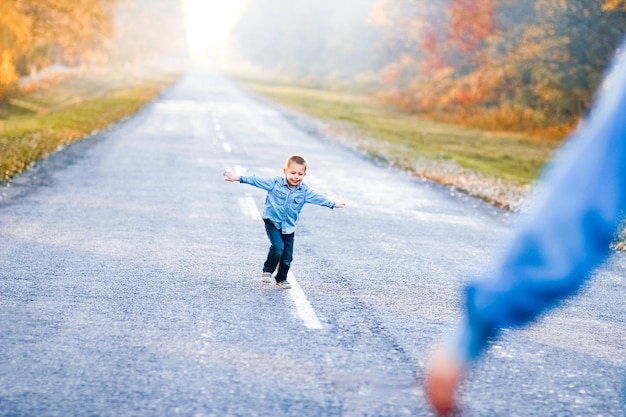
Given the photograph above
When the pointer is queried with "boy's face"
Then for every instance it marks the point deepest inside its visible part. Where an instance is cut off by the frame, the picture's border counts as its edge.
(294, 173)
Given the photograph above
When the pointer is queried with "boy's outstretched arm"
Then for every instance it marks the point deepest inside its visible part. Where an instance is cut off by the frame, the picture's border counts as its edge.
(231, 177)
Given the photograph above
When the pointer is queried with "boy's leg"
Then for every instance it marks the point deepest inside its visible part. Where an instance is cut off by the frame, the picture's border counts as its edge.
(276, 247)
(286, 258)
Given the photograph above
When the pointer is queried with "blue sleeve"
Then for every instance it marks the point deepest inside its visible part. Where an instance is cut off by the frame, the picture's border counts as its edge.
(265, 183)
(568, 233)
(313, 197)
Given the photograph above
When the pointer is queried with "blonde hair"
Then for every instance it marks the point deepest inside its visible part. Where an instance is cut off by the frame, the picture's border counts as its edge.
(296, 159)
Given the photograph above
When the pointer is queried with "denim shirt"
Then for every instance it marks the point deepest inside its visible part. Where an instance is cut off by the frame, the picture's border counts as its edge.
(283, 203)
(567, 234)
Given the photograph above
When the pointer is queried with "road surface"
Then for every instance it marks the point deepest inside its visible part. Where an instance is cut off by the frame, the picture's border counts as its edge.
(130, 282)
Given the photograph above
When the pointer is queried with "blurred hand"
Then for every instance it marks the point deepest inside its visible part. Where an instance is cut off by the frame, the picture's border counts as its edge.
(340, 204)
(229, 176)
(443, 376)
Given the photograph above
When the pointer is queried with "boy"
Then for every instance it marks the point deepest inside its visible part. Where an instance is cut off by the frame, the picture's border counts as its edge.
(285, 198)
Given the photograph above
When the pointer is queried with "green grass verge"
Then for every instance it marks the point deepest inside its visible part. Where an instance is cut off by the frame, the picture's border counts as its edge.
(34, 125)
(406, 138)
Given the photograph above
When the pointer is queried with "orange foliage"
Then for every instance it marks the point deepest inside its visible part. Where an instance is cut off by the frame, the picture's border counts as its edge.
(430, 42)
(8, 74)
(614, 4)
(471, 21)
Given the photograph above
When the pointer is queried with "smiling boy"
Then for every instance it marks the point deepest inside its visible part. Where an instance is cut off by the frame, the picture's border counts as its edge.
(286, 196)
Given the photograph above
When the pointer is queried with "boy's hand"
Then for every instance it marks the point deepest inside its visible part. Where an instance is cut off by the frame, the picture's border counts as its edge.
(340, 204)
(229, 176)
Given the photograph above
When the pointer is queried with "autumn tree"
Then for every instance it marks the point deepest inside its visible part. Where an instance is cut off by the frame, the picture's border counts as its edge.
(541, 59)
(35, 33)
(414, 38)
(470, 23)
(68, 31)
(15, 38)
(435, 44)
(562, 54)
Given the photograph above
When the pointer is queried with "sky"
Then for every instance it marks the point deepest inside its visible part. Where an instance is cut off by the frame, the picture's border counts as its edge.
(209, 23)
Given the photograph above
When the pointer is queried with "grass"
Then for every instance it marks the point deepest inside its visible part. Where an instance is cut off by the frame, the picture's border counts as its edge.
(32, 125)
(403, 138)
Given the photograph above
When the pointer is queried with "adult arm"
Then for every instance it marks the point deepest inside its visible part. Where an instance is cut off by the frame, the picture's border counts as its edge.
(569, 232)
(558, 246)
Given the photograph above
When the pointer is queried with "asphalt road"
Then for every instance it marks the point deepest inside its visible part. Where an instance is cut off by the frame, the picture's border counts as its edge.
(130, 282)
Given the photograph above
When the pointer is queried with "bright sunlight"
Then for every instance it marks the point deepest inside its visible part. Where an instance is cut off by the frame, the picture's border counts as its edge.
(209, 23)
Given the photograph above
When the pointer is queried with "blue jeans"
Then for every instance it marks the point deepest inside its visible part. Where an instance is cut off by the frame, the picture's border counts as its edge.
(280, 253)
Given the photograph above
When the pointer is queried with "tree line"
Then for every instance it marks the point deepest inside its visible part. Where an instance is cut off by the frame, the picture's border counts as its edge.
(513, 64)
(37, 33)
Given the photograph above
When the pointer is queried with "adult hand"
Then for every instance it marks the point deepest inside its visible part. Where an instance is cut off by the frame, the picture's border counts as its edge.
(443, 376)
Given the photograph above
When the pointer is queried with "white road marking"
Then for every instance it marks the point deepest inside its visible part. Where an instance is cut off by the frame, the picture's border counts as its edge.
(303, 307)
(227, 147)
(248, 207)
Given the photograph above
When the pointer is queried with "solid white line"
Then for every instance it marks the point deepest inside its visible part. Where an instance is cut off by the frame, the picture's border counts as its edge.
(304, 308)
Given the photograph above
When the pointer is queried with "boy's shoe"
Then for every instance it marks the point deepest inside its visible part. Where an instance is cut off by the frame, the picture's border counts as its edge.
(283, 284)
(266, 277)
